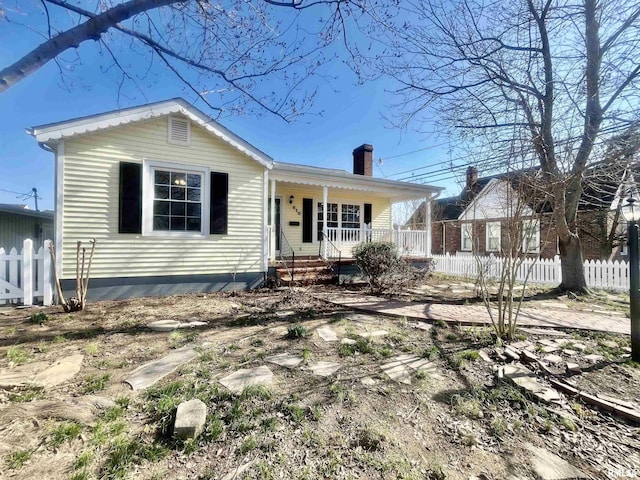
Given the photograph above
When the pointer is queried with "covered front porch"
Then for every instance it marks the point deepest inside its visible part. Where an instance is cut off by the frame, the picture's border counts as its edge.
(323, 213)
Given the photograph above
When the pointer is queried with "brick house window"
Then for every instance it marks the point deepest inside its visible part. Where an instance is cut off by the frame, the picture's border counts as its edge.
(531, 236)
(493, 236)
(466, 241)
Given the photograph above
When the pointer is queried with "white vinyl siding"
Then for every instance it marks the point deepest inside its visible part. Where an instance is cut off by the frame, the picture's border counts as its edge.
(90, 209)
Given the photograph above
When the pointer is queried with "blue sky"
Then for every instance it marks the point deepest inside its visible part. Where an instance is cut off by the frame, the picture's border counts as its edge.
(352, 114)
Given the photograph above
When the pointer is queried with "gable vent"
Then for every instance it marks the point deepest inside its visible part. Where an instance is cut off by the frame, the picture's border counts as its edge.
(179, 131)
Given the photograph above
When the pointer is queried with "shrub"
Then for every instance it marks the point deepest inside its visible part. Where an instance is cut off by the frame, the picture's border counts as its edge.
(296, 331)
(378, 261)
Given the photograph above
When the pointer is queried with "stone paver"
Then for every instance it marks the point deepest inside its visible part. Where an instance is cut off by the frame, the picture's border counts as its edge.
(170, 325)
(553, 359)
(323, 368)
(396, 372)
(374, 334)
(368, 381)
(61, 371)
(326, 334)
(549, 466)
(20, 375)
(526, 380)
(245, 377)
(287, 360)
(477, 314)
(348, 341)
(190, 419)
(150, 373)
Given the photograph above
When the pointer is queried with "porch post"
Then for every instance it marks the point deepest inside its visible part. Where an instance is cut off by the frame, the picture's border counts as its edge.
(325, 195)
(265, 222)
(272, 243)
(427, 226)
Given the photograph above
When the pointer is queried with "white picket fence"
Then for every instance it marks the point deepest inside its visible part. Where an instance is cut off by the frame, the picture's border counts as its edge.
(599, 273)
(26, 276)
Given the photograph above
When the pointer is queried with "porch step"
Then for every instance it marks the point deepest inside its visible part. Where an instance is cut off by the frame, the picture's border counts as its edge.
(306, 271)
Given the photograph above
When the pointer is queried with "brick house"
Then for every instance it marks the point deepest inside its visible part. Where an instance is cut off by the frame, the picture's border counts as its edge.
(477, 220)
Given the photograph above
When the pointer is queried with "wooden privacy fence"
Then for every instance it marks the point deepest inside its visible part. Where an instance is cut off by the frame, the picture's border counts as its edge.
(546, 271)
(26, 277)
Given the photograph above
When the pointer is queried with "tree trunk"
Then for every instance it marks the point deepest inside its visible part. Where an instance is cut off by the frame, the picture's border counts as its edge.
(572, 264)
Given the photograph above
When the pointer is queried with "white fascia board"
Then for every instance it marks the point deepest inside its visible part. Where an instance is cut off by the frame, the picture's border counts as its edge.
(300, 174)
(52, 133)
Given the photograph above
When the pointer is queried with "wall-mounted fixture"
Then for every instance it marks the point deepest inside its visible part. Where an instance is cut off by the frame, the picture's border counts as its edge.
(290, 199)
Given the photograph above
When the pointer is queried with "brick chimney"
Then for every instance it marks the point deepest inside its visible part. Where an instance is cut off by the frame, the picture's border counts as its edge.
(472, 177)
(363, 160)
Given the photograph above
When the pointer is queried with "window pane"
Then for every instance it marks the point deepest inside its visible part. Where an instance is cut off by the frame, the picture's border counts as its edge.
(162, 177)
(193, 194)
(177, 193)
(194, 180)
(193, 209)
(160, 223)
(161, 208)
(193, 224)
(178, 178)
(177, 209)
(177, 223)
(161, 192)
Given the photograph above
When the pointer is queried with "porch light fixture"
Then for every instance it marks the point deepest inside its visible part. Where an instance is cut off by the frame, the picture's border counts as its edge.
(631, 213)
(291, 200)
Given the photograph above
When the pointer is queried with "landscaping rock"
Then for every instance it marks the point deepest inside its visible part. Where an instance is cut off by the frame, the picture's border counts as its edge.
(326, 334)
(609, 344)
(484, 356)
(569, 352)
(512, 353)
(594, 358)
(20, 375)
(552, 359)
(191, 417)
(324, 369)
(171, 325)
(285, 360)
(61, 371)
(549, 349)
(396, 372)
(579, 346)
(526, 380)
(549, 466)
(573, 368)
(150, 373)
(239, 380)
(423, 326)
(368, 381)
(348, 341)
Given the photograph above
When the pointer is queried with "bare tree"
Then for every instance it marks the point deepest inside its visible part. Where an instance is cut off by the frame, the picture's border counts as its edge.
(563, 74)
(232, 55)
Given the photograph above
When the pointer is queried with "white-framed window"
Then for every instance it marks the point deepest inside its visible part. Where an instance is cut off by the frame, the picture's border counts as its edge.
(493, 236)
(350, 216)
(175, 199)
(466, 237)
(332, 218)
(179, 130)
(531, 236)
(624, 242)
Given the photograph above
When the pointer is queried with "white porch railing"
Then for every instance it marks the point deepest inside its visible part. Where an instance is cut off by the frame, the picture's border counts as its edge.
(410, 243)
(26, 276)
(599, 273)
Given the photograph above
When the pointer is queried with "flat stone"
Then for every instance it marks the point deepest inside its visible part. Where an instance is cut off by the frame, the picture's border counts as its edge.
(569, 352)
(543, 331)
(552, 359)
(526, 380)
(245, 377)
(148, 374)
(61, 371)
(594, 358)
(20, 375)
(324, 369)
(529, 356)
(164, 325)
(511, 353)
(423, 326)
(191, 417)
(361, 318)
(484, 356)
(547, 342)
(521, 345)
(368, 381)
(579, 346)
(326, 334)
(573, 368)
(237, 472)
(285, 360)
(396, 372)
(609, 344)
(549, 466)
(549, 349)
(285, 313)
(348, 341)
(374, 334)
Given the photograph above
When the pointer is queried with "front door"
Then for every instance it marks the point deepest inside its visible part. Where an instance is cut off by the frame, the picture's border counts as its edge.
(278, 224)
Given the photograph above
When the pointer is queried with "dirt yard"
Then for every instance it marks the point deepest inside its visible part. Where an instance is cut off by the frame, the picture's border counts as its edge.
(450, 420)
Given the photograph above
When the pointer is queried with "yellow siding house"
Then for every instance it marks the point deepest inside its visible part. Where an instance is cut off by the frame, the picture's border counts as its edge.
(178, 203)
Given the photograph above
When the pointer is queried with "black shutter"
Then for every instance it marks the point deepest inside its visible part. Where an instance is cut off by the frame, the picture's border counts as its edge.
(367, 214)
(307, 220)
(130, 204)
(218, 211)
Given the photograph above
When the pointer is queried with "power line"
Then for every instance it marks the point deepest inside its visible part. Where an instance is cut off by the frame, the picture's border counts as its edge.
(416, 151)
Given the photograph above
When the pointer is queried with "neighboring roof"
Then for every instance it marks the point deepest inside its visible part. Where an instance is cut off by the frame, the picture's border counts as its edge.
(25, 211)
(52, 132)
(308, 175)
